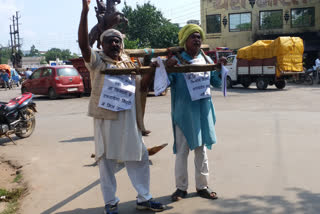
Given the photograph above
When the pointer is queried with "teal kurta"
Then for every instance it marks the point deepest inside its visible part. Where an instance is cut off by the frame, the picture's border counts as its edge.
(196, 119)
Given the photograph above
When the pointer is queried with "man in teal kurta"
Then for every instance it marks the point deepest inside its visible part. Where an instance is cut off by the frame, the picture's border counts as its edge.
(193, 117)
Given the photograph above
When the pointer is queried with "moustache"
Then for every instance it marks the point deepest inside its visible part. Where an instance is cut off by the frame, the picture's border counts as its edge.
(115, 49)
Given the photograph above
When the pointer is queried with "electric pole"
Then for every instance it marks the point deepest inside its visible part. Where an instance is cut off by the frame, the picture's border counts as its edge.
(15, 42)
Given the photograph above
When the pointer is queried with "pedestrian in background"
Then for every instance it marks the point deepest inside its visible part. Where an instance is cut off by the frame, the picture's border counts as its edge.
(316, 67)
(28, 73)
(5, 78)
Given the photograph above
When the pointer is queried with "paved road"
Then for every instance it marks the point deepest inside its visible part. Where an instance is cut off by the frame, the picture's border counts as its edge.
(265, 160)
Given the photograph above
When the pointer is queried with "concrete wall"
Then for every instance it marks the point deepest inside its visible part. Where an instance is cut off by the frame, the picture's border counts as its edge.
(30, 62)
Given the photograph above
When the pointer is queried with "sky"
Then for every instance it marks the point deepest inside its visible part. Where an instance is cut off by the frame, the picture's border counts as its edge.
(54, 24)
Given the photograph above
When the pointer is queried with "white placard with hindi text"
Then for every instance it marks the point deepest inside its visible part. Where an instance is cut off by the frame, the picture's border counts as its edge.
(118, 92)
(161, 80)
(198, 83)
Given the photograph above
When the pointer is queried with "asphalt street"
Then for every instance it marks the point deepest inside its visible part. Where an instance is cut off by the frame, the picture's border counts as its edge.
(265, 160)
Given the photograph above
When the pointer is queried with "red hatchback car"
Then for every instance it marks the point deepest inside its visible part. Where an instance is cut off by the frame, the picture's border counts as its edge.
(54, 81)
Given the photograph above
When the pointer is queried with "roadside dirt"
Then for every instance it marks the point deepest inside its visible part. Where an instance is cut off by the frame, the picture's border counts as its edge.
(8, 173)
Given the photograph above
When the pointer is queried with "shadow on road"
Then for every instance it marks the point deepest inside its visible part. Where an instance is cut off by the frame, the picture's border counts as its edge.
(46, 98)
(4, 141)
(78, 140)
(307, 202)
(126, 207)
(71, 198)
(252, 90)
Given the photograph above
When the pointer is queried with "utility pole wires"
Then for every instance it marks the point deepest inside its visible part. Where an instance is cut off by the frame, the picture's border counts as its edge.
(15, 42)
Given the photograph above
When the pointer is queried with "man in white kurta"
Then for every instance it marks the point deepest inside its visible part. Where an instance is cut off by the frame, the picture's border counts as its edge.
(118, 140)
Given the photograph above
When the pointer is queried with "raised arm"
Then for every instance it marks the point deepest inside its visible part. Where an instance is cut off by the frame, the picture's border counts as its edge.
(83, 37)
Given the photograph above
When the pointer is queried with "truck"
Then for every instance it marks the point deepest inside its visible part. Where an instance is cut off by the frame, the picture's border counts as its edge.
(266, 62)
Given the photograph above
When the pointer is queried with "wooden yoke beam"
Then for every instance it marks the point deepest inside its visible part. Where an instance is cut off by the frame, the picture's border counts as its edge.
(157, 52)
(148, 69)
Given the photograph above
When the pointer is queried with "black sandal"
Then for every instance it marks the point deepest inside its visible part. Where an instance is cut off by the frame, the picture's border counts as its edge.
(207, 193)
(178, 195)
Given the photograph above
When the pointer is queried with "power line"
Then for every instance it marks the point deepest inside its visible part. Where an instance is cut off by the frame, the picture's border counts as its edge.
(15, 42)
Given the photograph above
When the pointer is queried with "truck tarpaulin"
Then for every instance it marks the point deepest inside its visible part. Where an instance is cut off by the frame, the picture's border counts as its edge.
(287, 50)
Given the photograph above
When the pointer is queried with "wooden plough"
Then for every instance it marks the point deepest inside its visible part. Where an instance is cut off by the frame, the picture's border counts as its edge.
(139, 69)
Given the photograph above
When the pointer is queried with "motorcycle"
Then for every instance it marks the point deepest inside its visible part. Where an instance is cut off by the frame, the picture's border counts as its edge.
(18, 117)
(305, 78)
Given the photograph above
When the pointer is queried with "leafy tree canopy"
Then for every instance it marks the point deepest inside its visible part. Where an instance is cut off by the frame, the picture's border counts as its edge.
(148, 28)
(55, 53)
(33, 51)
(5, 54)
(130, 44)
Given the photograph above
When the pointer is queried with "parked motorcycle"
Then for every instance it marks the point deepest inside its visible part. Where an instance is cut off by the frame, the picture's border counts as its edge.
(305, 78)
(18, 117)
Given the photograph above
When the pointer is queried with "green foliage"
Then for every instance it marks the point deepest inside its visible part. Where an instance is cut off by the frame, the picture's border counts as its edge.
(5, 54)
(303, 17)
(131, 44)
(12, 198)
(244, 26)
(33, 51)
(12, 208)
(17, 178)
(148, 28)
(74, 55)
(43, 62)
(55, 53)
(271, 20)
(12, 195)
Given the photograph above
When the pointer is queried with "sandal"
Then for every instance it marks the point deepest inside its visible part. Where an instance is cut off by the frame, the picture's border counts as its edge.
(178, 195)
(145, 132)
(111, 209)
(207, 193)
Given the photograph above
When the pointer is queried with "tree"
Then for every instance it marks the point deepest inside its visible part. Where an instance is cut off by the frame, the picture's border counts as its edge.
(74, 55)
(43, 62)
(33, 51)
(129, 44)
(149, 28)
(55, 53)
(5, 54)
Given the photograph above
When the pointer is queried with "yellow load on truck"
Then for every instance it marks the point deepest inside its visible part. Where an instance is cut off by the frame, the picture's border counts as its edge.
(288, 52)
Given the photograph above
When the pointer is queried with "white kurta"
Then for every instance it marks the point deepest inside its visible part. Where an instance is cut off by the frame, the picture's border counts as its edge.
(119, 139)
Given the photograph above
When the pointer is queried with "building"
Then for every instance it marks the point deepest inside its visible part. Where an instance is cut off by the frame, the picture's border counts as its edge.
(30, 62)
(238, 23)
(193, 21)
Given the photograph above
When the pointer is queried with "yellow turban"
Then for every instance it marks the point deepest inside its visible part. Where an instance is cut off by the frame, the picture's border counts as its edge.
(186, 31)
